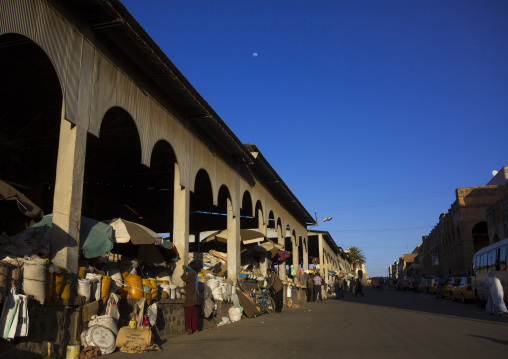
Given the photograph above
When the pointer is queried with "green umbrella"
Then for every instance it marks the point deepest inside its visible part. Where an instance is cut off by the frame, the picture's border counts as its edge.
(95, 238)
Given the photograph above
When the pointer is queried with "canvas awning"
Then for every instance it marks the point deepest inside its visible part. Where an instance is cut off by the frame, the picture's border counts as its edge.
(247, 236)
(126, 231)
(271, 247)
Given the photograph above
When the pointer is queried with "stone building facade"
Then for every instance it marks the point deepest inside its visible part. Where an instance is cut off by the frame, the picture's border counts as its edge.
(463, 230)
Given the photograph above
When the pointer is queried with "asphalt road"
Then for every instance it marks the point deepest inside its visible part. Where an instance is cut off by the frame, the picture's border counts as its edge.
(383, 324)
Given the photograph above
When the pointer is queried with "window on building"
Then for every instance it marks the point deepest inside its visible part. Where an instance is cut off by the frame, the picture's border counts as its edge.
(491, 265)
(502, 258)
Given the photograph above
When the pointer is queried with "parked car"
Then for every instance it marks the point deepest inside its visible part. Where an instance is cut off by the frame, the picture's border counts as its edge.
(446, 291)
(432, 287)
(420, 286)
(462, 290)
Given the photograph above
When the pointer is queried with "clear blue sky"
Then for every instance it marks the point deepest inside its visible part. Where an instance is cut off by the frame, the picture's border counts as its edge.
(372, 112)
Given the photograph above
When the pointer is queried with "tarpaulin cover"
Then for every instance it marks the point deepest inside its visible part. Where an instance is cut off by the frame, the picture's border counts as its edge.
(95, 238)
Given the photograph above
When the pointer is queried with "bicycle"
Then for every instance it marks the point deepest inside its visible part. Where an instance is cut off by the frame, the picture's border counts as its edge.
(264, 301)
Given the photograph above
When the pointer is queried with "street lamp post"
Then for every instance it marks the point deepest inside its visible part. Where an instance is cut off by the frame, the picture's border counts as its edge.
(329, 218)
(317, 224)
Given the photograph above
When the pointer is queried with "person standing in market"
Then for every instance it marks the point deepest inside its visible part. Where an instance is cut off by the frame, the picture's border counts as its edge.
(338, 290)
(191, 300)
(310, 288)
(275, 286)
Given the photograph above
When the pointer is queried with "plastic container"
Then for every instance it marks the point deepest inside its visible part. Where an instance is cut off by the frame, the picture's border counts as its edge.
(58, 285)
(66, 292)
(73, 352)
(172, 295)
(82, 272)
(105, 285)
(135, 286)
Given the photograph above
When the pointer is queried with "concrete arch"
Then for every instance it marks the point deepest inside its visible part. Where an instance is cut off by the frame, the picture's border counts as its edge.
(109, 87)
(56, 69)
(223, 195)
(199, 192)
(247, 206)
(57, 39)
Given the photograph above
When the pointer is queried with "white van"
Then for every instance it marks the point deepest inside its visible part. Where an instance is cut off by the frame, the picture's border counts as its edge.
(489, 259)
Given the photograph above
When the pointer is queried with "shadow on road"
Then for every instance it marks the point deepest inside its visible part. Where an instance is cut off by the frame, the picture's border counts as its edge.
(409, 301)
(504, 342)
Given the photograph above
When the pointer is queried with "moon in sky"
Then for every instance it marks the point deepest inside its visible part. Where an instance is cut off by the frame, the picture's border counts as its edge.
(255, 54)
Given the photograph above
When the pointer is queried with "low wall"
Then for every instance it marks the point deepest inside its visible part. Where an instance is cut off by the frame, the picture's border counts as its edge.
(55, 324)
(60, 325)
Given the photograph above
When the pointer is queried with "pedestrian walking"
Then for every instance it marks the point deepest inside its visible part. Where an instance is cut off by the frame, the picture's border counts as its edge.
(382, 283)
(275, 286)
(359, 287)
(495, 300)
(310, 288)
(338, 290)
(317, 287)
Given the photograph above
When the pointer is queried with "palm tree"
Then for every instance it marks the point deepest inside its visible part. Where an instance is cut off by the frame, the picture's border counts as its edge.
(357, 257)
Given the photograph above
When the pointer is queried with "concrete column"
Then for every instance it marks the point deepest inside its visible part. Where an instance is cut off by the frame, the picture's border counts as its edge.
(262, 227)
(306, 254)
(321, 257)
(282, 266)
(68, 196)
(325, 268)
(295, 259)
(233, 223)
(180, 235)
